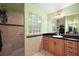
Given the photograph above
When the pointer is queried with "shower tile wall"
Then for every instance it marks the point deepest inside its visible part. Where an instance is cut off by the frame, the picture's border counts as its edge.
(13, 36)
(15, 18)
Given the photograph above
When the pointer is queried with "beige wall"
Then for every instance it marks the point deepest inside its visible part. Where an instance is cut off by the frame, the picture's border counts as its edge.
(33, 45)
(15, 18)
(13, 36)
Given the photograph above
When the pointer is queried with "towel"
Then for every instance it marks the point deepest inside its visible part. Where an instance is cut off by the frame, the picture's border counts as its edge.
(0, 41)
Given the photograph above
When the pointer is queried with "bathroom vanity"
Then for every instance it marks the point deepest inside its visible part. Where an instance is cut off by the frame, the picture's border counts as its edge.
(65, 46)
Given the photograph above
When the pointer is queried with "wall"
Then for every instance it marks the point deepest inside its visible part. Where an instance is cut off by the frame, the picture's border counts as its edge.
(33, 45)
(52, 24)
(15, 17)
(71, 10)
(13, 36)
(74, 9)
(35, 9)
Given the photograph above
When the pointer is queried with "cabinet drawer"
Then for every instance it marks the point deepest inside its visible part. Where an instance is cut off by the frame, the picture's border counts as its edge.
(71, 48)
(45, 38)
(45, 42)
(70, 42)
(71, 51)
(70, 54)
(71, 45)
(45, 47)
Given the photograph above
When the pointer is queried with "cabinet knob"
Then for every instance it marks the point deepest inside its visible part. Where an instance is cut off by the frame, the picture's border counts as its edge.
(54, 43)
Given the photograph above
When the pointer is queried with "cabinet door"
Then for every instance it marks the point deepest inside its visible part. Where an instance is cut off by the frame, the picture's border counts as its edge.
(78, 49)
(71, 48)
(45, 43)
(52, 45)
(59, 47)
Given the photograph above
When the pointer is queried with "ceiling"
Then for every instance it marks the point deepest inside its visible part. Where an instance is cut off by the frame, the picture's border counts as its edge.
(52, 7)
(48, 7)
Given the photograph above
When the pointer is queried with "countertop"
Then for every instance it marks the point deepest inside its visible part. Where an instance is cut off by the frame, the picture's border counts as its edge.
(65, 37)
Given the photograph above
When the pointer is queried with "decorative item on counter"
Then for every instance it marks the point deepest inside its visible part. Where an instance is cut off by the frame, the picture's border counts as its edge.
(61, 30)
(3, 15)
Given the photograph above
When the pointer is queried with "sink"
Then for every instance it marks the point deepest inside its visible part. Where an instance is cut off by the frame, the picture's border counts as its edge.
(58, 36)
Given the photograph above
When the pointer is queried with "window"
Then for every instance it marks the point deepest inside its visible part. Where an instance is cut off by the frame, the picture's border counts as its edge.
(52, 25)
(34, 23)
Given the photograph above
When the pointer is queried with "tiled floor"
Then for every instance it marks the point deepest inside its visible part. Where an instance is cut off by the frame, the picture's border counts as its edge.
(43, 53)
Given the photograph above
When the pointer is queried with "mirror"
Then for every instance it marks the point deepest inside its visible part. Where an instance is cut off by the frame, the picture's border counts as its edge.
(71, 24)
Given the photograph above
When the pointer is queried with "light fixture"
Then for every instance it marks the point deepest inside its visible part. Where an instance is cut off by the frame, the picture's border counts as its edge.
(59, 14)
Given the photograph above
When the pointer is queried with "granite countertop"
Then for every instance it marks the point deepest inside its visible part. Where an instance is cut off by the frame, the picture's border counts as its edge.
(71, 39)
(65, 37)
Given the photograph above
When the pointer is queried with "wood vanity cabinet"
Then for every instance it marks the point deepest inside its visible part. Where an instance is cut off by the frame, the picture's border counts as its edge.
(54, 45)
(59, 47)
(71, 48)
(51, 45)
(45, 43)
(78, 49)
